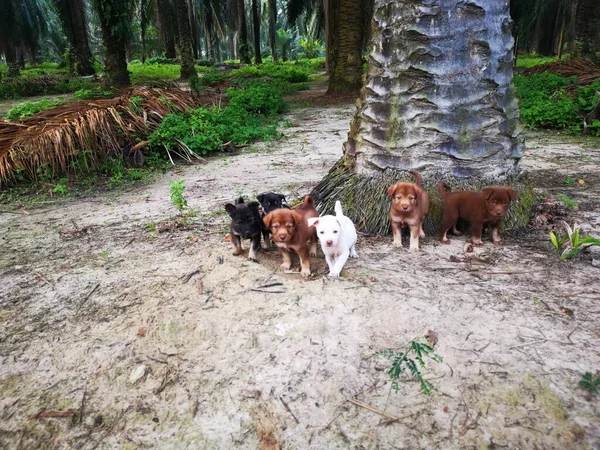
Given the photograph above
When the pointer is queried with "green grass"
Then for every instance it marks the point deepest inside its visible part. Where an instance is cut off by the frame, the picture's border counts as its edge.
(28, 109)
(528, 61)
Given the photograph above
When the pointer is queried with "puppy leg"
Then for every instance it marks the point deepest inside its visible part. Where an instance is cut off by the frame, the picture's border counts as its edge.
(287, 261)
(455, 231)
(476, 229)
(330, 262)
(266, 239)
(415, 232)
(421, 233)
(339, 264)
(254, 247)
(353, 253)
(236, 242)
(313, 247)
(496, 235)
(444, 227)
(304, 263)
(397, 231)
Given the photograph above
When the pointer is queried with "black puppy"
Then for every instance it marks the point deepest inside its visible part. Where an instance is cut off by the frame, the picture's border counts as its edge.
(271, 201)
(246, 223)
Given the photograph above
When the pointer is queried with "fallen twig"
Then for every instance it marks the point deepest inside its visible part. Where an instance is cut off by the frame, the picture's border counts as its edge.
(528, 343)
(87, 297)
(372, 409)
(288, 409)
(82, 405)
(188, 277)
(39, 275)
(52, 413)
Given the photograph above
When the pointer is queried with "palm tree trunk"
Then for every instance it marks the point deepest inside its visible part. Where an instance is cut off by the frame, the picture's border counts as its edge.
(186, 52)
(115, 20)
(256, 27)
(74, 22)
(168, 27)
(587, 26)
(244, 48)
(272, 28)
(345, 65)
(13, 70)
(438, 99)
(194, 25)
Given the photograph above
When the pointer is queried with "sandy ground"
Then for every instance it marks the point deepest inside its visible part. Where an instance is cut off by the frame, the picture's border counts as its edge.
(148, 339)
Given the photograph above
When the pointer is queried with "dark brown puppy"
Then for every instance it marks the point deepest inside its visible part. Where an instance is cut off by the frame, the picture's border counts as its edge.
(410, 205)
(487, 207)
(290, 231)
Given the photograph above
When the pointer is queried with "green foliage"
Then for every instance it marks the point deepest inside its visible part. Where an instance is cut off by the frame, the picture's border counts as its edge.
(211, 79)
(178, 200)
(98, 92)
(403, 362)
(590, 383)
(28, 109)
(61, 187)
(285, 72)
(47, 85)
(155, 71)
(545, 102)
(528, 61)
(571, 243)
(312, 48)
(567, 201)
(257, 99)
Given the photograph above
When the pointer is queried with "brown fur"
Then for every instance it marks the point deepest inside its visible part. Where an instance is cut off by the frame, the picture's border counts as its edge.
(290, 231)
(410, 205)
(487, 207)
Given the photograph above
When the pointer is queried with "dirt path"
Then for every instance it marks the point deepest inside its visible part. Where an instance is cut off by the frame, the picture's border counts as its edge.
(166, 340)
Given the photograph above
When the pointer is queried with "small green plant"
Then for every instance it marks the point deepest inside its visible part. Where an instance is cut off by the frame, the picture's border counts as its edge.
(410, 360)
(105, 254)
(28, 109)
(61, 187)
(569, 181)
(149, 226)
(567, 201)
(178, 200)
(87, 94)
(590, 383)
(571, 243)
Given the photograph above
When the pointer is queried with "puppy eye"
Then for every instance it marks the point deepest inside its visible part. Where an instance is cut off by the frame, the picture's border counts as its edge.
(321, 232)
(335, 231)
(411, 198)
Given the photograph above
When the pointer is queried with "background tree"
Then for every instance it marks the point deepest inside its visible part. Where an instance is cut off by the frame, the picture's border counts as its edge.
(256, 29)
(167, 26)
(115, 18)
(587, 28)
(74, 22)
(186, 53)
(272, 7)
(243, 47)
(438, 99)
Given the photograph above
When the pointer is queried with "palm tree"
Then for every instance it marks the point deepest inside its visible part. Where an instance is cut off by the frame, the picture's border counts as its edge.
(256, 28)
(186, 53)
(272, 6)
(237, 22)
(74, 23)
(167, 26)
(438, 99)
(115, 18)
(587, 27)
(21, 25)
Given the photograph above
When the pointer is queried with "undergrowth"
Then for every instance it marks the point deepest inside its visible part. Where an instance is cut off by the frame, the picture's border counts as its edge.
(28, 109)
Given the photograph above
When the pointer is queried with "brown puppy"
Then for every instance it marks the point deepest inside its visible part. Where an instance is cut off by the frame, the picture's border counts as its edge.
(487, 207)
(410, 205)
(291, 232)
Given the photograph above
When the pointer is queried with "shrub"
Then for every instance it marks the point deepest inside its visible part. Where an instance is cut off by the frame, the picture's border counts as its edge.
(156, 71)
(286, 72)
(86, 94)
(257, 99)
(28, 109)
(45, 85)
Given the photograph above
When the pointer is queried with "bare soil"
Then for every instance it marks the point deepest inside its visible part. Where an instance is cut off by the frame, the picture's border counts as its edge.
(121, 329)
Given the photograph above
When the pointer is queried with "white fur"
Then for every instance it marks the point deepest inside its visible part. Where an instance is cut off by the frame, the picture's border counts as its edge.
(339, 231)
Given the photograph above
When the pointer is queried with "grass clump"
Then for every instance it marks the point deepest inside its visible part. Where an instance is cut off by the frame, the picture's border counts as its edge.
(285, 72)
(43, 85)
(156, 71)
(28, 109)
(546, 103)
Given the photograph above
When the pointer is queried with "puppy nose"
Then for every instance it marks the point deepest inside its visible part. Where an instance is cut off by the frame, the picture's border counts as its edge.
(405, 208)
(329, 243)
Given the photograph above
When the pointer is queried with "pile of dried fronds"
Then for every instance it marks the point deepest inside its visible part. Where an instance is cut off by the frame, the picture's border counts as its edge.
(585, 70)
(89, 130)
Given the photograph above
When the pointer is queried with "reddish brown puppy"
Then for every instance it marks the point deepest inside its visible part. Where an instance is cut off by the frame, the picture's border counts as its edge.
(410, 205)
(290, 231)
(487, 207)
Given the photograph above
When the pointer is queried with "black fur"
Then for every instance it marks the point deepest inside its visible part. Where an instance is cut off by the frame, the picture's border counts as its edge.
(271, 201)
(246, 223)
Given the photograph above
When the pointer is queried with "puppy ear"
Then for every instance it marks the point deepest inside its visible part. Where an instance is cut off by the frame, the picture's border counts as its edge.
(239, 200)
(512, 194)
(282, 197)
(254, 205)
(313, 221)
(261, 198)
(488, 192)
(230, 209)
(391, 190)
(267, 220)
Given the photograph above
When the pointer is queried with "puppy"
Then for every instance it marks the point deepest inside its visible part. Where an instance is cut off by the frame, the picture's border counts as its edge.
(290, 231)
(487, 207)
(246, 223)
(410, 205)
(271, 201)
(338, 239)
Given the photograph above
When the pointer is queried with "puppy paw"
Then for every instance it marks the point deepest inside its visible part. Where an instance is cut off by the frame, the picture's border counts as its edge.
(237, 251)
(397, 244)
(285, 267)
(333, 274)
(252, 258)
(421, 234)
(498, 242)
(305, 273)
(414, 249)
(354, 255)
(445, 241)
(477, 244)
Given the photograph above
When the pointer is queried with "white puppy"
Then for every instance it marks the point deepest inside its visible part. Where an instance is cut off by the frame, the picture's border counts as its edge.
(338, 239)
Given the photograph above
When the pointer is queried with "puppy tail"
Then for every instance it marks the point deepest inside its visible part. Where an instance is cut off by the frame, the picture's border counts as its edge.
(443, 189)
(338, 209)
(308, 201)
(417, 176)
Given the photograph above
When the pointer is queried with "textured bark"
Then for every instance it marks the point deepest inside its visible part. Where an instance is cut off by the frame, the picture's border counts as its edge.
(438, 99)
(587, 28)
(74, 23)
(186, 53)
(168, 27)
(345, 65)
(115, 18)
(194, 30)
(439, 94)
(272, 28)
(244, 47)
(256, 28)
(13, 69)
